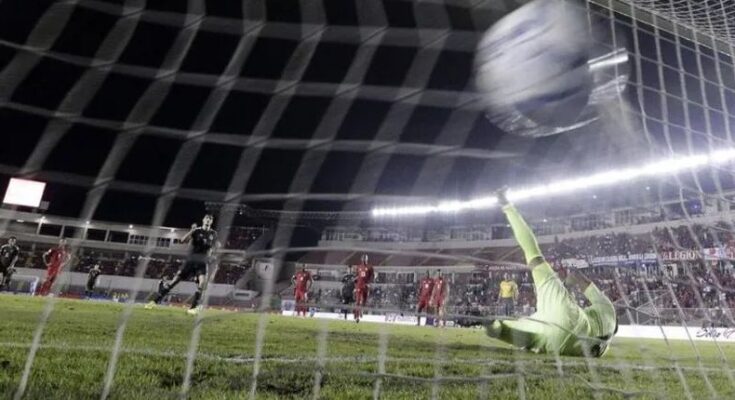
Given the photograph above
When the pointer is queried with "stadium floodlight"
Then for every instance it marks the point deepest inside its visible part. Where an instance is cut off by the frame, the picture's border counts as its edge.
(24, 192)
(668, 166)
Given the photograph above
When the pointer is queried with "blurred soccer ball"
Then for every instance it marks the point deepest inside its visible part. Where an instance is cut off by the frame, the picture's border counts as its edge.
(533, 62)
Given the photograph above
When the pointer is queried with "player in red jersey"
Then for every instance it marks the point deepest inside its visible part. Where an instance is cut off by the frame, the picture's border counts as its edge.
(364, 274)
(425, 288)
(55, 260)
(302, 283)
(438, 295)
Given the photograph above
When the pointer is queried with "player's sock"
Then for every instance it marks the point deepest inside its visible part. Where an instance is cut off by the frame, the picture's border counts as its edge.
(162, 292)
(523, 233)
(156, 298)
(197, 297)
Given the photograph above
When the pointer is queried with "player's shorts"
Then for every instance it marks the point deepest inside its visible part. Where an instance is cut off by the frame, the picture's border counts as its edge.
(3, 269)
(361, 293)
(53, 270)
(193, 268)
(508, 305)
(300, 296)
(437, 302)
(423, 303)
(348, 295)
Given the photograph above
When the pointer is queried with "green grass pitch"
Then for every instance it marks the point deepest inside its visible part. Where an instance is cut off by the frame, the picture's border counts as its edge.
(449, 363)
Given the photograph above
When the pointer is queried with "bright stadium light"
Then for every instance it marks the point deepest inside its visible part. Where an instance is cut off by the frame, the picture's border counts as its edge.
(24, 192)
(668, 166)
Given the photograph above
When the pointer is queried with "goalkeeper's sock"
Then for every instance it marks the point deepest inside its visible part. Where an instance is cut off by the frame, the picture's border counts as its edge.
(523, 233)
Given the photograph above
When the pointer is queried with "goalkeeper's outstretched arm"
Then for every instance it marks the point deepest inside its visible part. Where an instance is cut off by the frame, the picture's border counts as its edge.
(522, 232)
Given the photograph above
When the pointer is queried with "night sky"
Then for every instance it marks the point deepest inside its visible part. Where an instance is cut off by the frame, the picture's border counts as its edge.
(336, 106)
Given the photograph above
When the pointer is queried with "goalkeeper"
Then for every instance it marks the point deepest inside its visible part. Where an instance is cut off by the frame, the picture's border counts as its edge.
(559, 325)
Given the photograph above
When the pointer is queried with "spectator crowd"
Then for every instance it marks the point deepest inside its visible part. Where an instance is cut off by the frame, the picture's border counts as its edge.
(653, 284)
(126, 264)
(660, 284)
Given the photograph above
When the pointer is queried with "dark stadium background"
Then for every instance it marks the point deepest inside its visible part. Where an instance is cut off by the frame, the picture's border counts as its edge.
(332, 105)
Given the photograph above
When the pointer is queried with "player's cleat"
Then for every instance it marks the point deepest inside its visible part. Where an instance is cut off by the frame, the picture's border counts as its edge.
(194, 311)
(150, 305)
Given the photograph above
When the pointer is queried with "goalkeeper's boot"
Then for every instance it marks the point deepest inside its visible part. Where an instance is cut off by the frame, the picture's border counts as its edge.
(150, 305)
(194, 310)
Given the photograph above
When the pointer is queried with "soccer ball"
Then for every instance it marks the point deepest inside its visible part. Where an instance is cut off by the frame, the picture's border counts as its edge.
(534, 62)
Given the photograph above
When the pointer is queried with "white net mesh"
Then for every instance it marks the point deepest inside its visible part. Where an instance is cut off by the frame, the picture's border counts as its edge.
(321, 109)
(710, 17)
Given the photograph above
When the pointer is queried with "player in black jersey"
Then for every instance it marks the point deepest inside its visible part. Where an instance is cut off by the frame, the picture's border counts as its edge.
(348, 289)
(203, 240)
(9, 253)
(92, 276)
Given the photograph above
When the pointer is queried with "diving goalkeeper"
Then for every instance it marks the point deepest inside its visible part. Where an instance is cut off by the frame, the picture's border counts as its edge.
(559, 325)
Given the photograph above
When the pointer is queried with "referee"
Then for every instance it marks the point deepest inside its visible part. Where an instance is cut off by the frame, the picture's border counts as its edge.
(508, 294)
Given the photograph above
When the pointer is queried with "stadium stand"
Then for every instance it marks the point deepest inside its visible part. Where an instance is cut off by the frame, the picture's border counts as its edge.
(119, 249)
(656, 267)
(649, 261)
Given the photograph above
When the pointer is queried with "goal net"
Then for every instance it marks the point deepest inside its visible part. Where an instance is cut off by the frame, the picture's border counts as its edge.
(291, 120)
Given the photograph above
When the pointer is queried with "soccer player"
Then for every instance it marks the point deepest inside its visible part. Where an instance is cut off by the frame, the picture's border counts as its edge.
(92, 276)
(508, 294)
(55, 259)
(348, 289)
(302, 283)
(439, 294)
(9, 254)
(425, 287)
(364, 277)
(559, 326)
(203, 240)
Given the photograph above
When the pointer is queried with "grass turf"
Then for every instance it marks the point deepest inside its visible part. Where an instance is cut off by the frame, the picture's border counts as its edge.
(449, 363)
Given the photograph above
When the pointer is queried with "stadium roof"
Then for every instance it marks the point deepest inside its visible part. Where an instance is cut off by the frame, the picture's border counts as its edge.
(332, 104)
